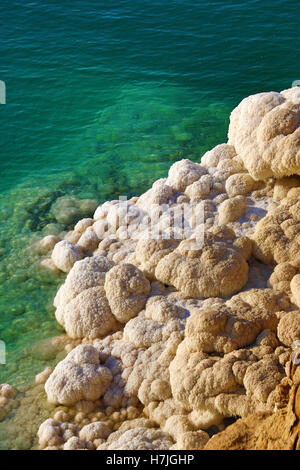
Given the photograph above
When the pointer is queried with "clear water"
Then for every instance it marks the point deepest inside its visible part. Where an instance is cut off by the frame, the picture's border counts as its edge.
(101, 98)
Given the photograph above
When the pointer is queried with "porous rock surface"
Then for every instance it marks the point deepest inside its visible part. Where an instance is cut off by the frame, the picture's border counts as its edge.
(177, 326)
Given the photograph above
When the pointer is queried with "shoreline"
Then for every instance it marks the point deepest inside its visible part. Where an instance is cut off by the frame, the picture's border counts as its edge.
(166, 341)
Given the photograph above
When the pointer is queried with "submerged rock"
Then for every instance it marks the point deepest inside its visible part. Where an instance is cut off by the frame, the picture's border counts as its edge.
(67, 210)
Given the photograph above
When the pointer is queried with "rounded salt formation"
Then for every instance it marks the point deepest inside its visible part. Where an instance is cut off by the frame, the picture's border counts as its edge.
(231, 166)
(47, 243)
(289, 328)
(144, 332)
(200, 188)
(97, 430)
(211, 371)
(239, 184)
(75, 443)
(183, 173)
(43, 376)
(184, 433)
(294, 193)
(191, 440)
(88, 315)
(82, 306)
(276, 236)
(54, 434)
(159, 194)
(295, 288)
(264, 129)
(139, 438)
(126, 289)
(80, 376)
(83, 224)
(261, 378)
(72, 236)
(65, 254)
(87, 273)
(89, 241)
(229, 326)
(212, 268)
(149, 252)
(6, 393)
(283, 186)
(162, 309)
(220, 153)
(231, 210)
(117, 218)
(281, 277)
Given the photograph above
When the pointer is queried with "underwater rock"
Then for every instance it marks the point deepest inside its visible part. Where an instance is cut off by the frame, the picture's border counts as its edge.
(67, 210)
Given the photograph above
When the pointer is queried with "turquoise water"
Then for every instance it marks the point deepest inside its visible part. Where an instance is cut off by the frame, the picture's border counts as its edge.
(102, 97)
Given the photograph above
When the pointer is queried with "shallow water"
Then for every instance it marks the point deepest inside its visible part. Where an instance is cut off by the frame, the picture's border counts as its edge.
(126, 148)
(102, 97)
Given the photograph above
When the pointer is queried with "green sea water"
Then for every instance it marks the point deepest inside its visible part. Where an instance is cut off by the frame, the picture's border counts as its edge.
(101, 98)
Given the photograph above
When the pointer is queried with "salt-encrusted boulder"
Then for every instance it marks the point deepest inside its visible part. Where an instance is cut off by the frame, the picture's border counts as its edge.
(88, 315)
(80, 376)
(209, 268)
(138, 439)
(220, 153)
(47, 243)
(264, 129)
(52, 433)
(224, 327)
(126, 289)
(150, 251)
(231, 209)
(289, 328)
(277, 236)
(81, 304)
(237, 380)
(295, 288)
(239, 184)
(283, 186)
(160, 193)
(183, 173)
(65, 254)
(282, 275)
(83, 224)
(89, 241)
(200, 188)
(96, 430)
(87, 273)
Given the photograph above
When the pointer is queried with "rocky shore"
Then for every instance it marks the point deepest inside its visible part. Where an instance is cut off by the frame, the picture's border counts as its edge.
(181, 307)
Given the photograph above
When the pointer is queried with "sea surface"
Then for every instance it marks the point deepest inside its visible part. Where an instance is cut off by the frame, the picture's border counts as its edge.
(101, 98)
